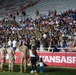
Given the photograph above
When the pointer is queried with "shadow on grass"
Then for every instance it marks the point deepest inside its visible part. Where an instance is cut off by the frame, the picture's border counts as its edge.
(47, 70)
(60, 71)
(16, 68)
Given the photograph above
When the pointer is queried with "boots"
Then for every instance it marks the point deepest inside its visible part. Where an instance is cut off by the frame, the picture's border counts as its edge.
(24, 70)
(21, 71)
(12, 70)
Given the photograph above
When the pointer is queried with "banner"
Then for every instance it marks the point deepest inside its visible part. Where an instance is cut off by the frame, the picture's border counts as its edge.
(17, 57)
(63, 59)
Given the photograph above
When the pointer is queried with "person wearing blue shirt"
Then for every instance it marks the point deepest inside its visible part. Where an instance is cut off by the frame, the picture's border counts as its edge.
(41, 64)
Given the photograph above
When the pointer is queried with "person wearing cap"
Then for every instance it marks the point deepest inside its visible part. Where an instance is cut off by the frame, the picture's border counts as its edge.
(11, 53)
(3, 53)
(24, 53)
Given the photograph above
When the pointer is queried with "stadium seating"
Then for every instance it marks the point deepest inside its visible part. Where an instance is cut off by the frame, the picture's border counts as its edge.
(45, 5)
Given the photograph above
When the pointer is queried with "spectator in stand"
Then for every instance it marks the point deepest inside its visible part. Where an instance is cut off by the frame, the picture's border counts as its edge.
(37, 12)
(41, 46)
(75, 16)
(53, 25)
(9, 43)
(32, 41)
(17, 13)
(64, 44)
(23, 13)
(14, 44)
(45, 44)
(37, 43)
(14, 18)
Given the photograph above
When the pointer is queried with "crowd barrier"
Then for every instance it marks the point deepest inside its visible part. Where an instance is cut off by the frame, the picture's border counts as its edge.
(61, 59)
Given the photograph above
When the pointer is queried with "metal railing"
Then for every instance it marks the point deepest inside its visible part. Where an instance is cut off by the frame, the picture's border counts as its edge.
(50, 49)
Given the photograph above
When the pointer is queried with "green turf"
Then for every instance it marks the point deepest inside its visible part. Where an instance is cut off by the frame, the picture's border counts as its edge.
(47, 71)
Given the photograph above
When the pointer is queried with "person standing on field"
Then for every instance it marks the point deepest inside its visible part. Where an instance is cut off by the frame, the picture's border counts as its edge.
(33, 59)
(24, 53)
(11, 53)
(3, 53)
(41, 64)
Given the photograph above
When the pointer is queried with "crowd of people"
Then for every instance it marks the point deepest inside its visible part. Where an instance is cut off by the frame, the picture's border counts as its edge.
(53, 32)
(26, 55)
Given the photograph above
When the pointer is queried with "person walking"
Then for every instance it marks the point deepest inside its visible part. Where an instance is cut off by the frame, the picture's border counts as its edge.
(11, 53)
(24, 54)
(3, 53)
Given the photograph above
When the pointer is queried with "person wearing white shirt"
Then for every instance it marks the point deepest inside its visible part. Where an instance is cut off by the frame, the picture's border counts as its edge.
(9, 43)
(33, 59)
(14, 44)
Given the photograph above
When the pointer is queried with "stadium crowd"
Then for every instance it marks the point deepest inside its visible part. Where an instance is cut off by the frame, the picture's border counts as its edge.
(52, 30)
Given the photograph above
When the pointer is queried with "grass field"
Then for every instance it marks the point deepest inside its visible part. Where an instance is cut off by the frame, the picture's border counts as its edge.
(47, 71)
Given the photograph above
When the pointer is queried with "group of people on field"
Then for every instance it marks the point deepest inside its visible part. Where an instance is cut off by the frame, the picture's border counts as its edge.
(26, 55)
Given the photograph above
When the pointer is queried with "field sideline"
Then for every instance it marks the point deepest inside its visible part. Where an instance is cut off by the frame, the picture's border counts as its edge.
(47, 71)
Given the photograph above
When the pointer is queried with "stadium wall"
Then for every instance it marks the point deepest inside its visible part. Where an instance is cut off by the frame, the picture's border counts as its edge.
(61, 59)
